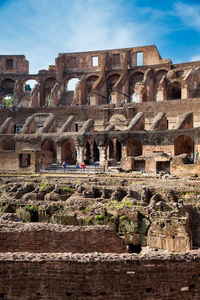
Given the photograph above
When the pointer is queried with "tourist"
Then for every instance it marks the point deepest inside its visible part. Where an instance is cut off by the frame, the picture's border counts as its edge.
(77, 166)
(83, 166)
(196, 156)
(64, 165)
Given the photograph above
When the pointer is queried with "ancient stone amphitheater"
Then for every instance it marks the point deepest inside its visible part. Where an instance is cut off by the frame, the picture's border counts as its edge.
(128, 225)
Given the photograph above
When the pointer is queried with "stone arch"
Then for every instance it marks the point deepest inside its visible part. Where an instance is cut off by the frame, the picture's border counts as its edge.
(109, 149)
(7, 85)
(183, 144)
(90, 80)
(96, 155)
(134, 147)
(118, 150)
(133, 79)
(158, 75)
(7, 144)
(196, 92)
(179, 73)
(174, 91)
(111, 81)
(48, 85)
(72, 93)
(113, 150)
(70, 79)
(7, 88)
(49, 145)
(87, 152)
(69, 151)
(28, 84)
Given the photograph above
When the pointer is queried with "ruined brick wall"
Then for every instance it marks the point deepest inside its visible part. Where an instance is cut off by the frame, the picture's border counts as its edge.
(67, 276)
(14, 64)
(9, 162)
(54, 238)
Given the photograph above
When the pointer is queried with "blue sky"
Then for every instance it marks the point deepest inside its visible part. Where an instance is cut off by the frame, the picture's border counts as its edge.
(41, 29)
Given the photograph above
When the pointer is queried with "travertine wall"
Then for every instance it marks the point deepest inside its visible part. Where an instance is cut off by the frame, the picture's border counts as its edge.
(98, 276)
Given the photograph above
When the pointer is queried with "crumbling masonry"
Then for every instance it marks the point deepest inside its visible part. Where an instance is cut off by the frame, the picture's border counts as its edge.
(139, 115)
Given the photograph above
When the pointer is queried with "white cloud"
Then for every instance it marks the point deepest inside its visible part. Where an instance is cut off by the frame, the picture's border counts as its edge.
(189, 14)
(41, 29)
(195, 58)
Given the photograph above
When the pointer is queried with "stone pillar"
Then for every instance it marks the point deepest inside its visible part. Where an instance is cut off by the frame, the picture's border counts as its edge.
(139, 87)
(124, 152)
(79, 151)
(102, 155)
(161, 95)
(116, 98)
(93, 100)
(59, 154)
(184, 92)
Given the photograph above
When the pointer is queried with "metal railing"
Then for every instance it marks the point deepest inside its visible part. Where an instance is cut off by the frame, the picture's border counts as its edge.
(73, 169)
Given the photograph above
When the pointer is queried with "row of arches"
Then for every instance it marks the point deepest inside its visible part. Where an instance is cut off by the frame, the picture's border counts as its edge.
(113, 149)
(90, 150)
(173, 91)
(11, 88)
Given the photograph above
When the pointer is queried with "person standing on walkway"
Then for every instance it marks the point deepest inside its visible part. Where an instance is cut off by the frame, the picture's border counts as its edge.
(64, 165)
(196, 156)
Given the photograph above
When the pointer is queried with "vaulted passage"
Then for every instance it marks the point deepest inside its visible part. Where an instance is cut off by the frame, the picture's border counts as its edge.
(69, 152)
(109, 150)
(49, 145)
(183, 144)
(88, 88)
(134, 147)
(110, 84)
(87, 155)
(95, 152)
(174, 91)
(118, 150)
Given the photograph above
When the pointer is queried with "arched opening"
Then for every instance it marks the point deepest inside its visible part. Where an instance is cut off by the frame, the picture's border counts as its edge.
(48, 100)
(7, 91)
(29, 85)
(95, 152)
(174, 91)
(137, 77)
(7, 144)
(70, 92)
(49, 145)
(196, 93)
(156, 81)
(111, 81)
(71, 84)
(69, 152)
(118, 150)
(87, 155)
(7, 100)
(88, 88)
(183, 144)
(109, 150)
(7, 86)
(134, 147)
(47, 87)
